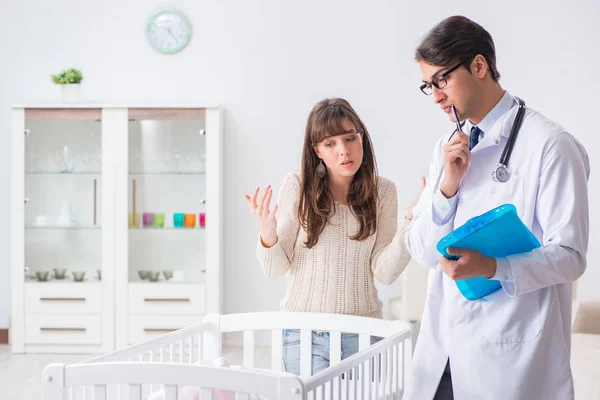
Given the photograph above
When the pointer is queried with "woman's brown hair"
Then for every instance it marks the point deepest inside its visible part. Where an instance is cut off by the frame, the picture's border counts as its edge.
(316, 205)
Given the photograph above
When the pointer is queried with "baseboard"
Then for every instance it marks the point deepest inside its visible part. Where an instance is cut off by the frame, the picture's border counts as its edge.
(3, 336)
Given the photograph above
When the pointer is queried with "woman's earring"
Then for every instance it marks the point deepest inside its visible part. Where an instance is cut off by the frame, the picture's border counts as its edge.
(321, 171)
(364, 160)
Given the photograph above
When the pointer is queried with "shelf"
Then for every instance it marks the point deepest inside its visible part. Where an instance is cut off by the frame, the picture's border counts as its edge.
(150, 228)
(44, 173)
(69, 281)
(61, 227)
(197, 173)
(165, 282)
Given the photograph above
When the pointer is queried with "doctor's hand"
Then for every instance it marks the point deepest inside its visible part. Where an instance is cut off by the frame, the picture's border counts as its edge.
(470, 264)
(457, 157)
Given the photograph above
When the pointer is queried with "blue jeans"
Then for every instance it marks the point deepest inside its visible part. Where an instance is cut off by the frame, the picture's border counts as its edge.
(320, 349)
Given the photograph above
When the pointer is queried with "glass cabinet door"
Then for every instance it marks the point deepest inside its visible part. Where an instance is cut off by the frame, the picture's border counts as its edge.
(166, 195)
(62, 167)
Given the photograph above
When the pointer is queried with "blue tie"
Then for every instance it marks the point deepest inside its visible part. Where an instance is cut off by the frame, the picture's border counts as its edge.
(474, 137)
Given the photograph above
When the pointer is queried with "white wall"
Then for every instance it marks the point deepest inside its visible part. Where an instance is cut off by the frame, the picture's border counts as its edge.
(267, 62)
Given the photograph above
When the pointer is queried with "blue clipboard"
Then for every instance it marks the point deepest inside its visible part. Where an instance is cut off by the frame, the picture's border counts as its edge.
(497, 233)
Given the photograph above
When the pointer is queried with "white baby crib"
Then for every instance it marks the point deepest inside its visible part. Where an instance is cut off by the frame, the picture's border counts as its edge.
(377, 371)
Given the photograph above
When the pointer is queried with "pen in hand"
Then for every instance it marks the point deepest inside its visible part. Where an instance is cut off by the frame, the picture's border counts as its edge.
(458, 127)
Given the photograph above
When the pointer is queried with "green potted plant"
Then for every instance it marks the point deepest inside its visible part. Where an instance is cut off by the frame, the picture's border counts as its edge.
(70, 82)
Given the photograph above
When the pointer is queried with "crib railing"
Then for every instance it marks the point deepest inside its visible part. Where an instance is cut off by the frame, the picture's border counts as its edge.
(379, 372)
(376, 371)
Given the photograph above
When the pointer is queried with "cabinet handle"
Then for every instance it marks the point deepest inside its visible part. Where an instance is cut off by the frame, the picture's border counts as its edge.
(95, 200)
(62, 298)
(168, 300)
(133, 189)
(63, 329)
(163, 330)
(202, 132)
(27, 132)
(26, 200)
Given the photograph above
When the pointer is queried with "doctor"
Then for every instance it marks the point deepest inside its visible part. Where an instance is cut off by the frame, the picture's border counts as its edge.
(514, 343)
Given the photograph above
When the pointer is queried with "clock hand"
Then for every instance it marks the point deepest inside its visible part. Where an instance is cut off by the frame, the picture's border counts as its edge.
(169, 30)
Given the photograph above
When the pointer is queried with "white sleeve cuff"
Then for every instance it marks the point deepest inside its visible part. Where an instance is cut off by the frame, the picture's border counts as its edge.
(503, 270)
(442, 208)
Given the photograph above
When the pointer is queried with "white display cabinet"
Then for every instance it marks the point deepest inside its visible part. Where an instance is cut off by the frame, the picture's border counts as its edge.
(126, 202)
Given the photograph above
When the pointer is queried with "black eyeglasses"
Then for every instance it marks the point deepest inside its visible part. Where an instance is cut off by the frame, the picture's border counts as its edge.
(439, 82)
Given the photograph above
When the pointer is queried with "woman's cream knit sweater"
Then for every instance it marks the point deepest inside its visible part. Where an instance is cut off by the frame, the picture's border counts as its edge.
(337, 274)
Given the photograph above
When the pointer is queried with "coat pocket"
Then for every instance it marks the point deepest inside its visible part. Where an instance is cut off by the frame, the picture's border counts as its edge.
(511, 319)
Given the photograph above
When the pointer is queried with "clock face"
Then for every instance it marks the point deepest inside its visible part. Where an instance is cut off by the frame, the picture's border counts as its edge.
(168, 31)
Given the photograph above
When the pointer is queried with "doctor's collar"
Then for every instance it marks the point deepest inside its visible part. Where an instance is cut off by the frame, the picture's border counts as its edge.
(501, 109)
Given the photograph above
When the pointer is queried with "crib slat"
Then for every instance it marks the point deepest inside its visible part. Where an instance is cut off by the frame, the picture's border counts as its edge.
(402, 365)
(241, 396)
(377, 368)
(364, 341)
(206, 394)
(332, 386)
(394, 368)
(190, 349)
(180, 345)
(355, 382)
(276, 349)
(366, 379)
(99, 392)
(335, 356)
(211, 339)
(305, 353)
(384, 379)
(374, 372)
(170, 392)
(135, 392)
(199, 344)
(335, 347)
(153, 387)
(249, 349)
(346, 393)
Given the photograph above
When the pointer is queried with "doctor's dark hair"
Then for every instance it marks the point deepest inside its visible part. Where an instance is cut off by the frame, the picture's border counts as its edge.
(457, 39)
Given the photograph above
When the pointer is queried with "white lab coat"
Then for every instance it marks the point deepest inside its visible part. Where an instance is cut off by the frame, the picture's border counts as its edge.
(514, 343)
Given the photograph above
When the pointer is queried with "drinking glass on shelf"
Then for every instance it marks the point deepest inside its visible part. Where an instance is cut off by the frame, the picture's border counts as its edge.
(168, 159)
(137, 158)
(176, 159)
(203, 163)
(85, 161)
(178, 219)
(189, 220)
(64, 160)
(159, 220)
(189, 160)
(99, 158)
(31, 160)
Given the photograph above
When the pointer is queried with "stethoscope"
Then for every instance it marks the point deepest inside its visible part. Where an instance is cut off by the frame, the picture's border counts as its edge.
(501, 173)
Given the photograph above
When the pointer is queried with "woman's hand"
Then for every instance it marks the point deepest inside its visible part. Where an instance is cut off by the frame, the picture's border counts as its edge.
(265, 216)
(409, 214)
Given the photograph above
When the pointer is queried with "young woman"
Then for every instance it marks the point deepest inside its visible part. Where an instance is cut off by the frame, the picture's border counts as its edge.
(334, 229)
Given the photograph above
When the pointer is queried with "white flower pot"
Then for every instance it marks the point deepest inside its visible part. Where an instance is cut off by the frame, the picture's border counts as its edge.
(71, 93)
